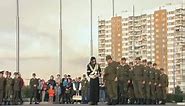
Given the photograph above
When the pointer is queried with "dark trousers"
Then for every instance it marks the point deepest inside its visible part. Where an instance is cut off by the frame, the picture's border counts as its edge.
(16, 96)
(94, 90)
(33, 96)
(1, 96)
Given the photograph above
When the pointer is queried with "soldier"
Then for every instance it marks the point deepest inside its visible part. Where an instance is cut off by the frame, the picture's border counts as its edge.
(33, 88)
(93, 71)
(163, 86)
(157, 78)
(16, 89)
(123, 80)
(2, 86)
(151, 83)
(8, 89)
(138, 81)
(146, 86)
(130, 86)
(110, 80)
(84, 90)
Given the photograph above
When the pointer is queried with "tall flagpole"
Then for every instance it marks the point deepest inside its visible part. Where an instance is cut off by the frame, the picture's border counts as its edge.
(17, 38)
(60, 40)
(91, 28)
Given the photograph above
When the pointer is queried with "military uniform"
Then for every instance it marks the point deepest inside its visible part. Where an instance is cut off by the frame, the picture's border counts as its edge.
(138, 82)
(146, 87)
(152, 85)
(131, 87)
(157, 82)
(110, 79)
(163, 84)
(2, 86)
(9, 90)
(33, 89)
(123, 78)
(16, 90)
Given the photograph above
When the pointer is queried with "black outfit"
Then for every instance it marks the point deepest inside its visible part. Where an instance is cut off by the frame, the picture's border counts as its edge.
(94, 82)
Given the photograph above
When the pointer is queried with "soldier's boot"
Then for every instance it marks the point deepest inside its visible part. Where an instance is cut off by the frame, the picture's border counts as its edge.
(120, 100)
(109, 102)
(147, 101)
(137, 101)
(114, 101)
(163, 102)
(131, 100)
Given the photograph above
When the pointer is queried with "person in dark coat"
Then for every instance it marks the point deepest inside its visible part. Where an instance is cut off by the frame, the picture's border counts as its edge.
(33, 88)
(93, 71)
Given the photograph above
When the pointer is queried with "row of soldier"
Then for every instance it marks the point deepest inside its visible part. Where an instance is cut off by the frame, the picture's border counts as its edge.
(140, 82)
(10, 88)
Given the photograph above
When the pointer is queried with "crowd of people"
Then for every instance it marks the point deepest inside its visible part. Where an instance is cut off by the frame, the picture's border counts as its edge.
(138, 82)
(59, 90)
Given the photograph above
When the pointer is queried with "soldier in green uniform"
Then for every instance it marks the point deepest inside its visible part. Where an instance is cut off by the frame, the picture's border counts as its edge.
(110, 80)
(123, 80)
(16, 89)
(163, 84)
(33, 88)
(157, 78)
(130, 84)
(84, 90)
(8, 89)
(138, 81)
(2, 86)
(146, 86)
(152, 83)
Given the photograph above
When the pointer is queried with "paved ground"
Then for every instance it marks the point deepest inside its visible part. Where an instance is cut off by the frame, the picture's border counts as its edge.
(46, 104)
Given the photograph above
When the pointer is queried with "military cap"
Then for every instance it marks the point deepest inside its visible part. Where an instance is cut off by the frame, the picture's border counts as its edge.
(138, 58)
(131, 63)
(155, 64)
(162, 69)
(108, 57)
(123, 58)
(149, 63)
(144, 61)
(16, 73)
(1, 72)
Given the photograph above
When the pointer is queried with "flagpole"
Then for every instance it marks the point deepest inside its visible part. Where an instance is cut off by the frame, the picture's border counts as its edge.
(91, 42)
(17, 37)
(60, 40)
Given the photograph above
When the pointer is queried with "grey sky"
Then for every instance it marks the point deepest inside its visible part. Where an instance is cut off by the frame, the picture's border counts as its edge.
(39, 24)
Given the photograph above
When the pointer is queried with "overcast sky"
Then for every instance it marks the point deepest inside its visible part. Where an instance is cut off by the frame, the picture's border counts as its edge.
(39, 28)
